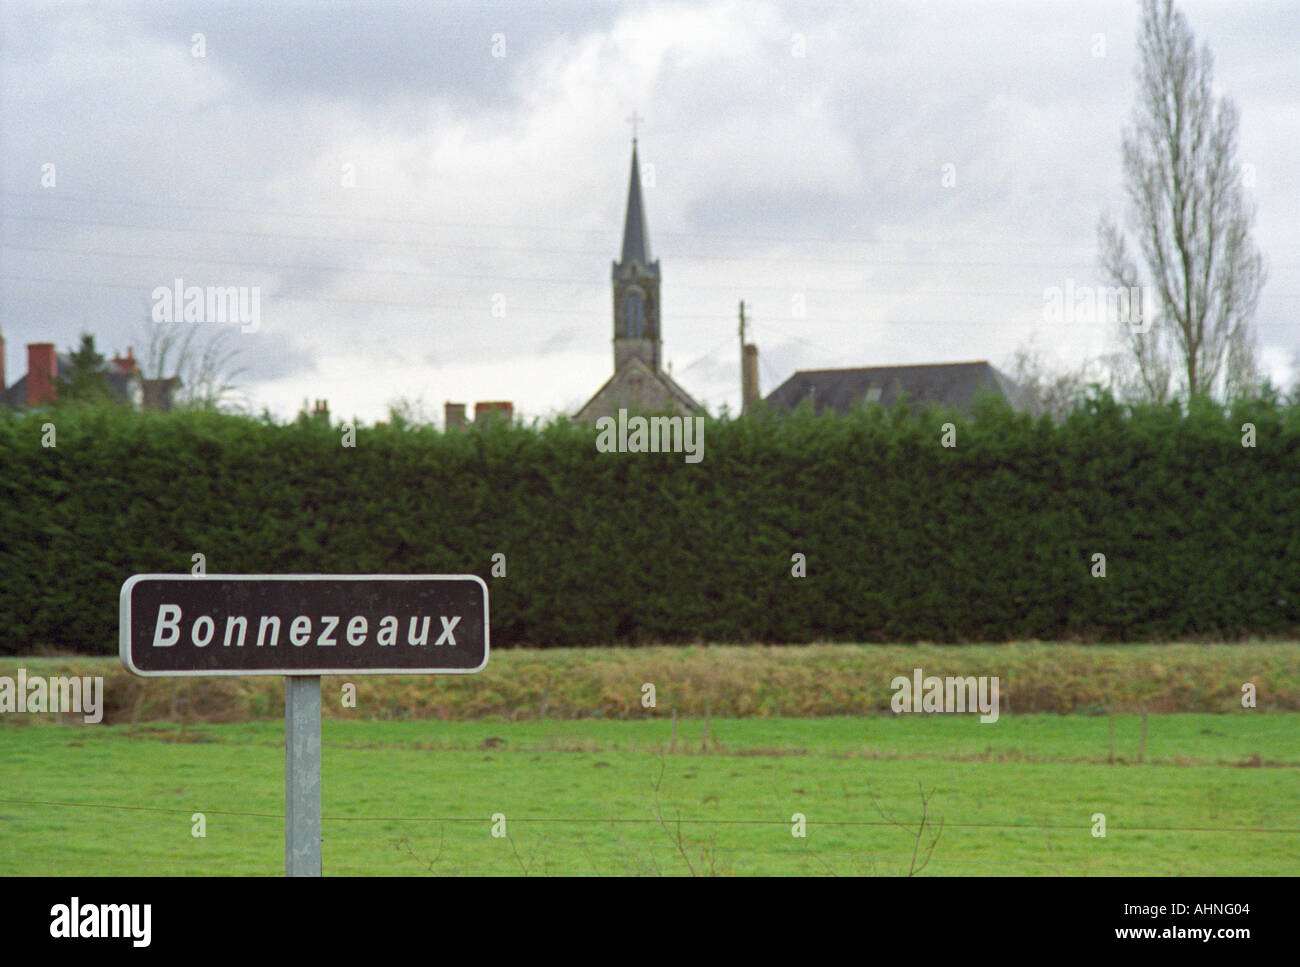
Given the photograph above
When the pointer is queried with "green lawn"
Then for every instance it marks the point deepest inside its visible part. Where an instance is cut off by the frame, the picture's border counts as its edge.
(414, 797)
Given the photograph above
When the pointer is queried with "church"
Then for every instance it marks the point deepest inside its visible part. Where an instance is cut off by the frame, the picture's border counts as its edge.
(639, 383)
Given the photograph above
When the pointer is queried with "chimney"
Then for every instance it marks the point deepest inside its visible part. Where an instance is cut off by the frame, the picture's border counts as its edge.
(749, 378)
(488, 411)
(155, 394)
(453, 416)
(42, 371)
(321, 411)
(127, 363)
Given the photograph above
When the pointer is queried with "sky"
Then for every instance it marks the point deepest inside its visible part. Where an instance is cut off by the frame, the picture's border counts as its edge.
(427, 197)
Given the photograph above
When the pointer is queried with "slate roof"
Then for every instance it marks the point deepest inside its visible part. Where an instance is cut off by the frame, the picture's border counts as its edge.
(636, 237)
(16, 395)
(956, 385)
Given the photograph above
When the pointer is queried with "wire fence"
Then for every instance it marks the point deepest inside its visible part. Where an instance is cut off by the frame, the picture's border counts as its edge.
(1284, 830)
(686, 845)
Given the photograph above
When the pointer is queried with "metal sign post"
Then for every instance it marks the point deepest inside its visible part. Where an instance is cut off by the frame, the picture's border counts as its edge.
(302, 828)
(303, 626)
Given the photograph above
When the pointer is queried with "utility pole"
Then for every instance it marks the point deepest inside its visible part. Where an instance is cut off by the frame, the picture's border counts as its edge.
(742, 355)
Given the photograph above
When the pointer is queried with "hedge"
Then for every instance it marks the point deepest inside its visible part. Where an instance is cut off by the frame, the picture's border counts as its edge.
(904, 539)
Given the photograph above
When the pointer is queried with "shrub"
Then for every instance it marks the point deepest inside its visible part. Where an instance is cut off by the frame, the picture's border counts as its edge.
(904, 539)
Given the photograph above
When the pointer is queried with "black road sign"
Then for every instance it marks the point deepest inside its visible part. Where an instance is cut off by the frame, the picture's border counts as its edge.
(303, 624)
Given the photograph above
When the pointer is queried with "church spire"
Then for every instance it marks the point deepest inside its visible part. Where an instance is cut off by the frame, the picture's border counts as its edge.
(636, 285)
(636, 238)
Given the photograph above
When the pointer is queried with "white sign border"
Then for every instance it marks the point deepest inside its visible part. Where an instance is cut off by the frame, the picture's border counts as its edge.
(124, 625)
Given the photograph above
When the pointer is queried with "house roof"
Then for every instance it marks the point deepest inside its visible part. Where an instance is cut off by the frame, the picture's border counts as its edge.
(15, 395)
(157, 393)
(636, 237)
(951, 384)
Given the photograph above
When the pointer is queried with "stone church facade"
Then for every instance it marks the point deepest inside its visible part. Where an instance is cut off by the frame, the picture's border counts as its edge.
(639, 383)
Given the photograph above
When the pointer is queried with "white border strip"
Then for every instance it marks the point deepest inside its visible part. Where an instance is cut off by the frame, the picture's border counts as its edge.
(124, 624)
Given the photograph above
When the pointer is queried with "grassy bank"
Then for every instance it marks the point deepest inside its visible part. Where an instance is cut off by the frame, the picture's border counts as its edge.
(736, 681)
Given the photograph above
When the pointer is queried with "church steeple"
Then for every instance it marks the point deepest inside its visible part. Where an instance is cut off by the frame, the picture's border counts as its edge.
(639, 384)
(636, 238)
(636, 284)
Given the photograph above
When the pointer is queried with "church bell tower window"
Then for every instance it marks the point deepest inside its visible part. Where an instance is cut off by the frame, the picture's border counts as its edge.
(635, 316)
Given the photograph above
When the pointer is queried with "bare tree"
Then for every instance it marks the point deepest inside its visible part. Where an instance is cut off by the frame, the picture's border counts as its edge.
(925, 830)
(410, 411)
(1243, 376)
(1047, 386)
(1191, 220)
(205, 364)
(1143, 366)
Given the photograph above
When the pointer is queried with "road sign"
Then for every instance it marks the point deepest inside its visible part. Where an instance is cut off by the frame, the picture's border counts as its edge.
(303, 624)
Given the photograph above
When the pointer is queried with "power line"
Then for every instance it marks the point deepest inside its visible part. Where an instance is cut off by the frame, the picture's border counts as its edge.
(692, 365)
(45, 197)
(563, 311)
(784, 335)
(684, 257)
(532, 309)
(791, 288)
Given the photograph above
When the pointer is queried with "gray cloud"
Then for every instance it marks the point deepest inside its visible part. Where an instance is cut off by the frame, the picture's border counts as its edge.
(477, 177)
(389, 56)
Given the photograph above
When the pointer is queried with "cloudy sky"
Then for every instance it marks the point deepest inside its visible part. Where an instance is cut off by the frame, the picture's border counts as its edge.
(428, 196)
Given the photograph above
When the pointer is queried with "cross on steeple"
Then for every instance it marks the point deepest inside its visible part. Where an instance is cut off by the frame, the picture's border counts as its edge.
(634, 120)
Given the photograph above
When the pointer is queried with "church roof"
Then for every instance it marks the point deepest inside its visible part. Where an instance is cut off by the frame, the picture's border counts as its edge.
(636, 237)
(609, 398)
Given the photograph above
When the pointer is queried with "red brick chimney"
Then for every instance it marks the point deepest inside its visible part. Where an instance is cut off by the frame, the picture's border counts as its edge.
(127, 363)
(487, 411)
(42, 371)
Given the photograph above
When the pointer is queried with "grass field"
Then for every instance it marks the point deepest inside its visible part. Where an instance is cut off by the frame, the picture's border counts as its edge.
(1214, 794)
